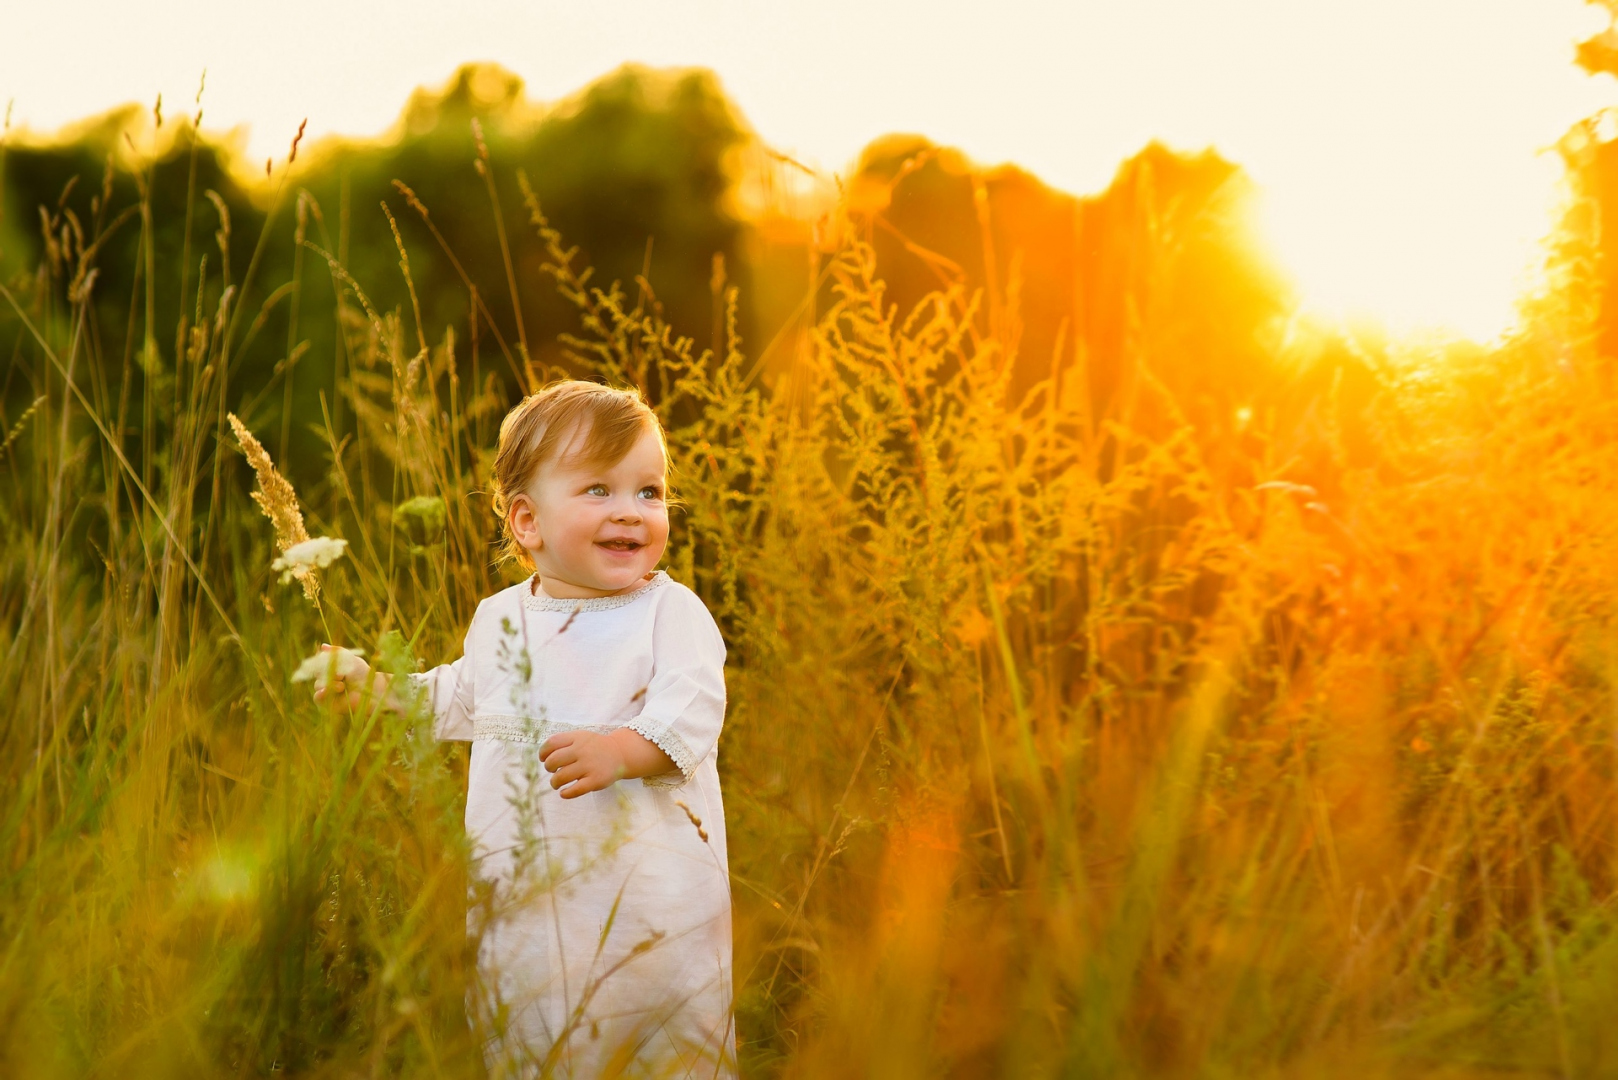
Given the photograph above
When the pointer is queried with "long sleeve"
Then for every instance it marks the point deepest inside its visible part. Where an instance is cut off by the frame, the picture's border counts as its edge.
(685, 701)
(447, 693)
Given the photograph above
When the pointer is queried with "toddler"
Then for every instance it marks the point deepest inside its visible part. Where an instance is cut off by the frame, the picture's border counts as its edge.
(609, 944)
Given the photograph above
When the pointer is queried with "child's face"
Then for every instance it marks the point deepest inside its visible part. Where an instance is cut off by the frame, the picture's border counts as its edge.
(594, 530)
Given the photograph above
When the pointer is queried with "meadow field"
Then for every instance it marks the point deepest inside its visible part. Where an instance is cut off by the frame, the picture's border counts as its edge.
(1211, 692)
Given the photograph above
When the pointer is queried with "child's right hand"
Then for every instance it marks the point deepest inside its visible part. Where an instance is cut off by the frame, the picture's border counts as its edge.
(343, 681)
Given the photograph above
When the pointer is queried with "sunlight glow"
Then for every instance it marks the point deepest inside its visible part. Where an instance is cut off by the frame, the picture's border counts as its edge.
(1401, 142)
(1414, 251)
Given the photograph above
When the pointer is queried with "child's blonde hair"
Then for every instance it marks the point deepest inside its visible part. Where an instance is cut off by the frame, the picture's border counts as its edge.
(544, 424)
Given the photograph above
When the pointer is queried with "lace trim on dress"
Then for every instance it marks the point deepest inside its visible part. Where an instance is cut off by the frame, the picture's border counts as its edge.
(526, 729)
(597, 603)
(671, 744)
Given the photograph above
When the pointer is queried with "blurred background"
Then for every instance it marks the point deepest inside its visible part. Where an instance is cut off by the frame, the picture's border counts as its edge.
(1405, 154)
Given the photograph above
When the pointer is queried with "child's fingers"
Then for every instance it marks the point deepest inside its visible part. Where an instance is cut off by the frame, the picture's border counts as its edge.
(337, 694)
(555, 743)
(583, 786)
(560, 758)
(568, 774)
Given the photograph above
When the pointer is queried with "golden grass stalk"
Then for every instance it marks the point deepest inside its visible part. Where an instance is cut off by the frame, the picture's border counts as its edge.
(276, 497)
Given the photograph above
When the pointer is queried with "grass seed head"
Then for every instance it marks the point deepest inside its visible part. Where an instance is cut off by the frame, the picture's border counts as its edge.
(278, 501)
(696, 822)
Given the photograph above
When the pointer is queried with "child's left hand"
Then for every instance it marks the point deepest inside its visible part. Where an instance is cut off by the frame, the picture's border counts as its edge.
(584, 760)
(587, 761)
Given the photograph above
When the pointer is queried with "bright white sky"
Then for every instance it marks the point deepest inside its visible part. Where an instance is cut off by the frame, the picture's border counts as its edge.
(1402, 143)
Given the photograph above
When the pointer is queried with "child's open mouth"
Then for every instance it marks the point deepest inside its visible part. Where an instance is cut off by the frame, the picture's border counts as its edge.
(620, 545)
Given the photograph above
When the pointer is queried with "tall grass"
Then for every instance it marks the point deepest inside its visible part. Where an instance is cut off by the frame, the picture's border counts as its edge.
(1065, 737)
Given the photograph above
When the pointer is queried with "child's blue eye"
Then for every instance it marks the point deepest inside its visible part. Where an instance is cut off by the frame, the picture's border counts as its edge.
(596, 489)
(651, 493)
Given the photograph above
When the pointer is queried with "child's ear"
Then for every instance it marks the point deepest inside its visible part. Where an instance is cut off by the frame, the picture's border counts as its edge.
(523, 517)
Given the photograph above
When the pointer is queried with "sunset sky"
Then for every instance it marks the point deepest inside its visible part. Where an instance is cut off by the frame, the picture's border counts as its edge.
(1402, 143)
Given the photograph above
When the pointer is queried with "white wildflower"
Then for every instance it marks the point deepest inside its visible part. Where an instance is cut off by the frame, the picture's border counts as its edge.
(307, 555)
(339, 662)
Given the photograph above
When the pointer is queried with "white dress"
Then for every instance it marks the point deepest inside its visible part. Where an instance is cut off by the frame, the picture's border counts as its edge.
(606, 928)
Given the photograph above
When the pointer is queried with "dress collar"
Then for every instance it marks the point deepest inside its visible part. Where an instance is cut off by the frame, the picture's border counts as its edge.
(594, 603)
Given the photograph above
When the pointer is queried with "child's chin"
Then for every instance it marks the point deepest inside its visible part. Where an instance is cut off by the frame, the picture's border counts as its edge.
(623, 575)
